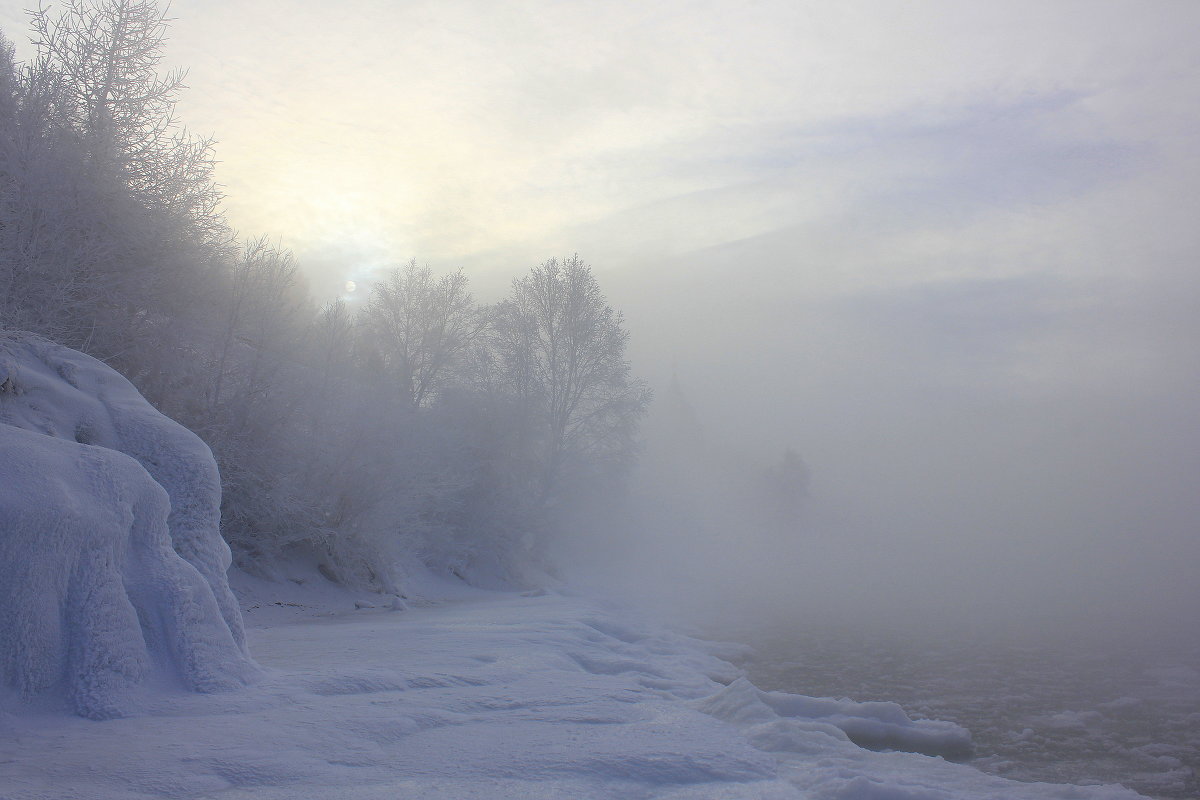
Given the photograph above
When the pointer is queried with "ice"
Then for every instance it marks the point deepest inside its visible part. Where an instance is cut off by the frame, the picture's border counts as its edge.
(874, 725)
(1061, 711)
(111, 563)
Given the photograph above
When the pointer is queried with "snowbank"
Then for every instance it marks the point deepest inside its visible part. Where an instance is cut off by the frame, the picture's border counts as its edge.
(112, 568)
(488, 695)
(874, 725)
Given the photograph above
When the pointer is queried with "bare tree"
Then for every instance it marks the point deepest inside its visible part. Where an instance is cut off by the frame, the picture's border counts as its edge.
(107, 54)
(561, 350)
(264, 320)
(419, 328)
(110, 235)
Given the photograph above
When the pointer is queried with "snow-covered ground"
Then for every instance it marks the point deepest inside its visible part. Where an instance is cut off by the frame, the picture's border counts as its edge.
(470, 694)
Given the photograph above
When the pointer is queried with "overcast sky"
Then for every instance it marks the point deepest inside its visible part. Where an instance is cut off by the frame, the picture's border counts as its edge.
(947, 250)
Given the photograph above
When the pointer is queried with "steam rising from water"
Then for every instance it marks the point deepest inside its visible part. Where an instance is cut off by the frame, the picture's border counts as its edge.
(1040, 483)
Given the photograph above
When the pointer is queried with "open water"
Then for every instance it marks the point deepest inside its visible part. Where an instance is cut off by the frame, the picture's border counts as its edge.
(1059, 712)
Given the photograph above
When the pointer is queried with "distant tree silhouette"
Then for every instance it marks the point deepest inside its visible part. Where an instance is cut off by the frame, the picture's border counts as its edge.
(786, 485)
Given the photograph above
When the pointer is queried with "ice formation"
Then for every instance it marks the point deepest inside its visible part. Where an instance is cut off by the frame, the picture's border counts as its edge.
(874, 725)
(112, 568)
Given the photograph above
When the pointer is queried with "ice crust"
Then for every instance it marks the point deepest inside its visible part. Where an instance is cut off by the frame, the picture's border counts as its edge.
(112, 567)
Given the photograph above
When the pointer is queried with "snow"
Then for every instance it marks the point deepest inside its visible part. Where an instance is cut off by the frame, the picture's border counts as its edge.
(473, 694)
(112, 569)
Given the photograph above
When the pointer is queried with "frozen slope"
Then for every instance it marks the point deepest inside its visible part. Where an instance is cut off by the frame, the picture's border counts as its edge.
(482, 696)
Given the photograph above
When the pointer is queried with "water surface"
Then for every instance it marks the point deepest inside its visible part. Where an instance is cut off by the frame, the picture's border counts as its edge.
(1060, 712)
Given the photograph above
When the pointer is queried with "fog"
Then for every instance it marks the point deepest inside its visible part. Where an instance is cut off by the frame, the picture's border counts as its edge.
(949, 257)
(984, 347)
(957, 484)
(946, 253)
(989, 375)
(1007, 445)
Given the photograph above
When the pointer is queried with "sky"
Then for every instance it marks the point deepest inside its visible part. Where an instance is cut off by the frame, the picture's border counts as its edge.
(946, 250)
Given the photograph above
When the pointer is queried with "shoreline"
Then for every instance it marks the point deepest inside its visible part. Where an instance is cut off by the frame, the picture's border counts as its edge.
(484, 694)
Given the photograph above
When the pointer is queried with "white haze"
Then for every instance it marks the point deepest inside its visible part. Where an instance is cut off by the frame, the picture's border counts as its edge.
(946, 251)
(1002, 429)
(1001, 424)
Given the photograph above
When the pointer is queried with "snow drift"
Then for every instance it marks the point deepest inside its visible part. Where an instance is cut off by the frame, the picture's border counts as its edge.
(112, 567)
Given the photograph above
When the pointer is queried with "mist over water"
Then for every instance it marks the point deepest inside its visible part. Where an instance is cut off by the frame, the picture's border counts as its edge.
(1022, 566)
(1064, 522)
(999, 526)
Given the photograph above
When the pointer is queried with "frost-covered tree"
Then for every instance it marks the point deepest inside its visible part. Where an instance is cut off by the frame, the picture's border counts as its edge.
(107, 54)
(560, 350)
(112, 237)
(251, 398)
(56, 217)
(417, 330)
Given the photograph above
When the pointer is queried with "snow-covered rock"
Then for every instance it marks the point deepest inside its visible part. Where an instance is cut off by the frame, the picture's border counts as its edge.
(112, 567)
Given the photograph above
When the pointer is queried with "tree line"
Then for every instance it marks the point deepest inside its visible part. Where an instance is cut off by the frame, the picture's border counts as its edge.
(421, 426)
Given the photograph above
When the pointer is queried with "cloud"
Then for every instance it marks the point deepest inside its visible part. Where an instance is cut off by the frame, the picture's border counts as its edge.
(474, 127)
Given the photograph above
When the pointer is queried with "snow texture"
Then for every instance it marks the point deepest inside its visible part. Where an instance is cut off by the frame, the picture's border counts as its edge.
(488, 695)
(112, 568)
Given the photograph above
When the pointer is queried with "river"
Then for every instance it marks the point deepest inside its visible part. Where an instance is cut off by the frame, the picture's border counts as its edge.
(1061, 712)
